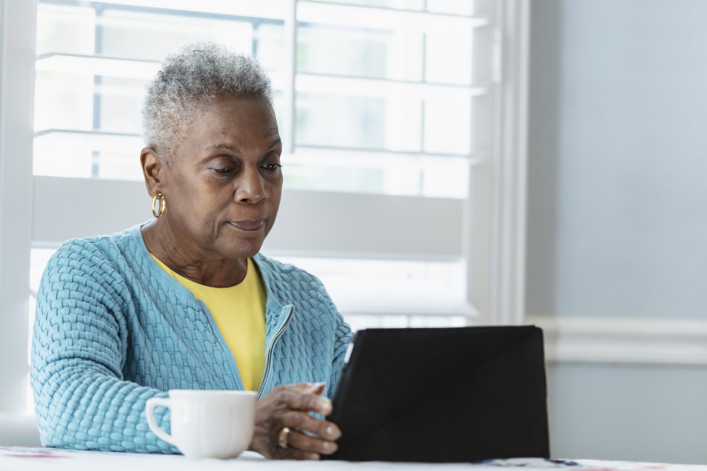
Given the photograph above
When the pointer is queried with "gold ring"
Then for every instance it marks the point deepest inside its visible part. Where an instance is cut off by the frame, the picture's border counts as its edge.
(282, 438)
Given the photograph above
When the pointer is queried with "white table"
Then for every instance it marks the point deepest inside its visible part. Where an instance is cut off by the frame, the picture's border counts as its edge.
(49, 459)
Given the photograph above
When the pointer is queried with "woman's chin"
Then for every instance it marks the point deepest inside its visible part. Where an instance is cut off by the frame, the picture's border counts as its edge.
(243, 248)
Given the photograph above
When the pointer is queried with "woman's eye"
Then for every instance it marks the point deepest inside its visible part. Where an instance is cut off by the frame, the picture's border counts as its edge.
(271, 167)
(224, 170)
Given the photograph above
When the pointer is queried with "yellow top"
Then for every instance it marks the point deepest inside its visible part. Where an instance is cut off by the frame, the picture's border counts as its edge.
(239, 312)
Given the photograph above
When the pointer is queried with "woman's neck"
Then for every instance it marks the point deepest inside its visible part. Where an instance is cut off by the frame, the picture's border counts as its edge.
(219, 273)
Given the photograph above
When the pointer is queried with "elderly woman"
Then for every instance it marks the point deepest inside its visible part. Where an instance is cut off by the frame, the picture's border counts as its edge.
(186, 301)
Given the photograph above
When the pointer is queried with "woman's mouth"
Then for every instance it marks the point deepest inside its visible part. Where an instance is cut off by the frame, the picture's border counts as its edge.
(248, 225)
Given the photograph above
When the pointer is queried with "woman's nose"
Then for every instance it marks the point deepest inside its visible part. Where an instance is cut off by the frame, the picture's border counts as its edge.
(250, 187)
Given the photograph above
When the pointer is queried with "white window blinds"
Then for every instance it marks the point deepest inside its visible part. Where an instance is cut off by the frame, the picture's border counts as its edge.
(403, 124)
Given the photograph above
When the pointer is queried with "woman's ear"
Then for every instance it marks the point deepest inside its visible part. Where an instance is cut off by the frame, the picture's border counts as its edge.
(152, 170)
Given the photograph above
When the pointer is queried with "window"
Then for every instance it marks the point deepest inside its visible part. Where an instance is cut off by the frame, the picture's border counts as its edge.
(403, 130)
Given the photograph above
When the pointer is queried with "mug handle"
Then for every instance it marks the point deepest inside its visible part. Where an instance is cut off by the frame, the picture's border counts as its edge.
(152, 423)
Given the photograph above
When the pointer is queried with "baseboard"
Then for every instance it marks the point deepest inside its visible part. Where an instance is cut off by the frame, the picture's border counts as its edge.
(623, 340)
(19, 430)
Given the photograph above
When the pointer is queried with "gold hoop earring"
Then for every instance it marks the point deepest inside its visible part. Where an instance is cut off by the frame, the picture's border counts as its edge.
(158, 197)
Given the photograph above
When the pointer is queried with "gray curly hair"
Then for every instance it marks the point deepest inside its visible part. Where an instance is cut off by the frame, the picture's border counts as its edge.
(191, 78)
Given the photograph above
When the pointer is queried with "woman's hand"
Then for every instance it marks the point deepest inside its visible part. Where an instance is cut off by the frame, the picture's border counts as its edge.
(289, 406)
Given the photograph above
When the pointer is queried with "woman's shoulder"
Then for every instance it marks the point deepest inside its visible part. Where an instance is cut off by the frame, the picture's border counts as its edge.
(285, 275)
(275, 267)
(99, 249)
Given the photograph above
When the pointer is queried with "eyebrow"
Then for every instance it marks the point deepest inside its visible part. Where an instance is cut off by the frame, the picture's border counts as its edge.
(236, 150)
(223, 146)
(275, 142)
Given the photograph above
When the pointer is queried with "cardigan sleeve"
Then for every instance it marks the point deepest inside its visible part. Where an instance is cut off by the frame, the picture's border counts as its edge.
(342, 338)
(79, 348)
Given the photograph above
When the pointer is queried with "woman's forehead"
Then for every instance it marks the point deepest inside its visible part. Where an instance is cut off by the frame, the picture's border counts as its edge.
(235, 124)
(242, 109)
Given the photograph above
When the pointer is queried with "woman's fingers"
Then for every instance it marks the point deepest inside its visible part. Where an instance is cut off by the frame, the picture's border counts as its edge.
(310, 388)
(306, 402)
(296, 420)
(310, 444)
(290, 407)
(295, 454)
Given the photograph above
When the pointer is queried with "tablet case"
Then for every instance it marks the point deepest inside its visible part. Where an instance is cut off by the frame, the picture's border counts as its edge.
(443, 395)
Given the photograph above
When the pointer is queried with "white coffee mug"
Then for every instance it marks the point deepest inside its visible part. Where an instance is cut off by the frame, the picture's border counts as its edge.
(206, 424)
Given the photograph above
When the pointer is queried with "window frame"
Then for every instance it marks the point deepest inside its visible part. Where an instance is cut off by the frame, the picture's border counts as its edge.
(492, 232)
(16, 184)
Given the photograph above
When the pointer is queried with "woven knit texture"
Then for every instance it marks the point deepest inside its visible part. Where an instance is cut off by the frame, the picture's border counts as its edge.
(112, 330)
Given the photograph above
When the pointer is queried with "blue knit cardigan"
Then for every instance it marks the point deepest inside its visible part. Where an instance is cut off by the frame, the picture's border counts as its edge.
(113, 329)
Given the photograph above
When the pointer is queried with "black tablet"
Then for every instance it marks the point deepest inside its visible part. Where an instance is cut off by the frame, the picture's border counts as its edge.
(443, 395)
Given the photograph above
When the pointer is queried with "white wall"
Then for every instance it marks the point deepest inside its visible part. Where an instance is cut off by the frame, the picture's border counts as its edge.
(617, 215)
(628, 412)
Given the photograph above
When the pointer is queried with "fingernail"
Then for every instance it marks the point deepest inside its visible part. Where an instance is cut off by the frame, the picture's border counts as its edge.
(325, 405)
(332, 432)
(329, 447)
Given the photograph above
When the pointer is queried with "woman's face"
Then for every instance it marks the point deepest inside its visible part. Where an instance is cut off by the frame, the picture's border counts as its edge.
(223, 189)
